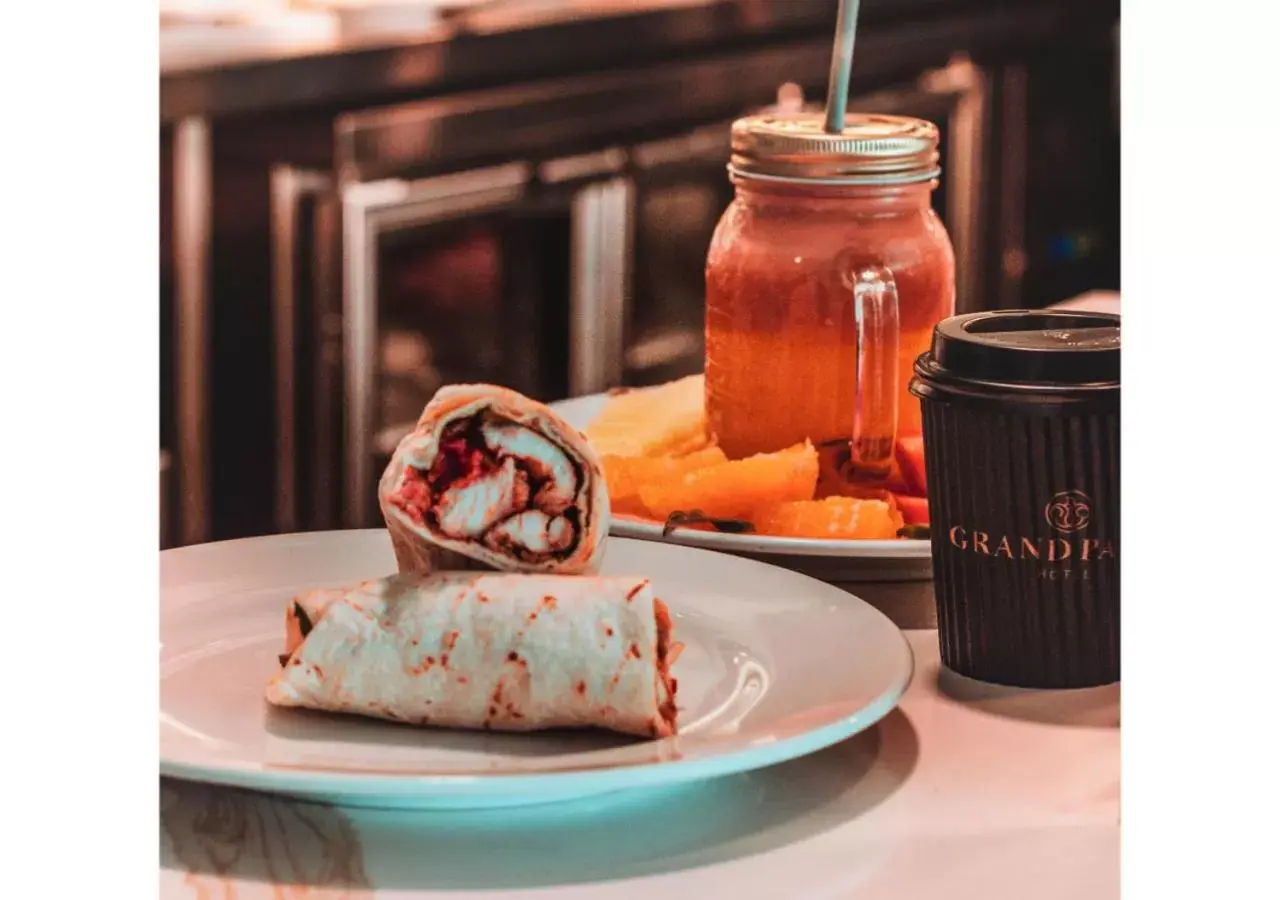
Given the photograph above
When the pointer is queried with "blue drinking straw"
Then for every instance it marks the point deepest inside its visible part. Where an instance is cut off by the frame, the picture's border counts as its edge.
(841, 66)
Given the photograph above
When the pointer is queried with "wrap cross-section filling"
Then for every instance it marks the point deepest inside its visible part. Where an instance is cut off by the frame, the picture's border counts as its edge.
(498, 483)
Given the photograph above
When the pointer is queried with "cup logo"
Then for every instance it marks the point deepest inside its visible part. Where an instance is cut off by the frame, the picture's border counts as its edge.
(1064, 554)
(1068, 511)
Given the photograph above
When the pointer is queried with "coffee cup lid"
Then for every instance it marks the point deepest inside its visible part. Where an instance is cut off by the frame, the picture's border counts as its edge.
(1032, 348)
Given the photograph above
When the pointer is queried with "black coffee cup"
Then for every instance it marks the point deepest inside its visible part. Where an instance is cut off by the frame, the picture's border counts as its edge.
(1022, 451)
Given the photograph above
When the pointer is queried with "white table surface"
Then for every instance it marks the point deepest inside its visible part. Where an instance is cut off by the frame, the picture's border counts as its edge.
(965, 791)
(1093, 301)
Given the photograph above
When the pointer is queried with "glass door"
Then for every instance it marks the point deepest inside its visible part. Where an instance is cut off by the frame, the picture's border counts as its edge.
(681, 191)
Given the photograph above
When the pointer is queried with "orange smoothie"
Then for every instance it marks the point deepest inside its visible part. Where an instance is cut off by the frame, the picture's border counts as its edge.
(781, 340)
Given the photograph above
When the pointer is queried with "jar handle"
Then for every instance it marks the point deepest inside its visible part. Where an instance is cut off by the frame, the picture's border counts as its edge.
(875, 386)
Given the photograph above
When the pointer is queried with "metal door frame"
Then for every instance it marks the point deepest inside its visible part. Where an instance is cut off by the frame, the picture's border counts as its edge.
(370, 210)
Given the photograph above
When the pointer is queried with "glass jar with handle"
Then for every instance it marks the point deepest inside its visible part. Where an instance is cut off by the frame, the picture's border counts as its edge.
(824, 279)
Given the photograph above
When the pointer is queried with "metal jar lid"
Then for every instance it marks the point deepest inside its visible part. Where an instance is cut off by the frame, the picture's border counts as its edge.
(872, 150)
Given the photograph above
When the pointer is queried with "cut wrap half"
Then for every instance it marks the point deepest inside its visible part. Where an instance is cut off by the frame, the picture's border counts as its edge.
(492, 479)
(485, 651)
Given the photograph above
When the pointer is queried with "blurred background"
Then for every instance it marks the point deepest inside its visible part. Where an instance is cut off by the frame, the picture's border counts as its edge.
(362, 201)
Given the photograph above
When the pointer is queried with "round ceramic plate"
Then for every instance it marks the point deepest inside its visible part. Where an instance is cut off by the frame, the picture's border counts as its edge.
(580, 411)
(775, 665)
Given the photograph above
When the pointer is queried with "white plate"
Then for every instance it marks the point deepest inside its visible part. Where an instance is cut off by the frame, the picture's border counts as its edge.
(580, 411)
(775, 665)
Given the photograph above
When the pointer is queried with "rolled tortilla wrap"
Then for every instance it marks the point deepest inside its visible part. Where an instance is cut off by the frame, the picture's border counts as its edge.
(486, 651)
(492, 479)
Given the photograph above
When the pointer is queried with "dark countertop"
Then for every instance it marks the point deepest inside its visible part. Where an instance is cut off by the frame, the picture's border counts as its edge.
(499, 43)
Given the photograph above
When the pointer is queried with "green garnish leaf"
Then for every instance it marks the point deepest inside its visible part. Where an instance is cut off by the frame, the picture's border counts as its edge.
(914, 532)
(697, 517)
(732, 526)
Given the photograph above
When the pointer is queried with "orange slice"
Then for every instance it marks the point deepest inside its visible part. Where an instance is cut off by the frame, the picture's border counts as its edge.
(732, 489)
(848, 518)
(626, 475)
